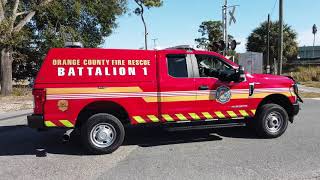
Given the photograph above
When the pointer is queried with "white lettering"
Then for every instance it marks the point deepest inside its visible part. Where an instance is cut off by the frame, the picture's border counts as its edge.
(122, 71)
(98, 72)
(80, 69)
(71, 72)
(90, 71)
(131, 71)
(61, 71)
(106, 71)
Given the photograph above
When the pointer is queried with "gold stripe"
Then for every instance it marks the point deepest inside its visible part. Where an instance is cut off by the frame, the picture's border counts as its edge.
(53, 91)
(139, 119)
(244, 113)
(181, 117)
(66, 123)
(220, 115)
(167, 117)
(232, 114)
(253, 111)
(153, 118)
(207, 115)
(194, 116)
(49, 124)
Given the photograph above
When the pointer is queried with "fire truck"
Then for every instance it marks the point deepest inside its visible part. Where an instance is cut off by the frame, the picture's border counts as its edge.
(99, 92)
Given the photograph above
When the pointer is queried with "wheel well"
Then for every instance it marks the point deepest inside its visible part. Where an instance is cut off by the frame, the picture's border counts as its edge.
(102, 107)
(279, 99)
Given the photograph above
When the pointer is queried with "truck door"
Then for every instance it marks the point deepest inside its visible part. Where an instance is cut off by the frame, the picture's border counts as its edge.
(177, 92)
(217, 99)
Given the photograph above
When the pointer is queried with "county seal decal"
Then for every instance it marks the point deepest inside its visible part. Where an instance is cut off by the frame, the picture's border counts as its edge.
(223, 94)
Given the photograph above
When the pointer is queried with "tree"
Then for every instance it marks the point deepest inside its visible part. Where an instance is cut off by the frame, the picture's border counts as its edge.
(211, 31)
(50, 24)
(14, 15)
(139, 11)
(257, 41)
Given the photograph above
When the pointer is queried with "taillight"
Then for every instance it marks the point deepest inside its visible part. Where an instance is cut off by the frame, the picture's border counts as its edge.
(39, 99)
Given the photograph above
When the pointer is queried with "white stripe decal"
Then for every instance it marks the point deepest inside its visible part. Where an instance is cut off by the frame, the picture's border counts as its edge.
(155, 94)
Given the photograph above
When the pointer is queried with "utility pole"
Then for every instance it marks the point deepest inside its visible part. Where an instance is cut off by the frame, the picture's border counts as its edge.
(155, 43)
(280, 59)
(268, 48)
(225, 25)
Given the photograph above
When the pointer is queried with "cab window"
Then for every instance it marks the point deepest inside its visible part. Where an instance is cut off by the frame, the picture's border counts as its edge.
(210, 66)
(177, 66)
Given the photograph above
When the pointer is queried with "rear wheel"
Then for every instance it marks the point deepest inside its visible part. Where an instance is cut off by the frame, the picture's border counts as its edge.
(271, 121)
(102, 134)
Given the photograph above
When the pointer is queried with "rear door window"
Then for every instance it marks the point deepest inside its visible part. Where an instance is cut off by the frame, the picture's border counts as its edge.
(177, 66)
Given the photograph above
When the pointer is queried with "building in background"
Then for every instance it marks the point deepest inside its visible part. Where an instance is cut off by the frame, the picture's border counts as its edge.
(306, 52)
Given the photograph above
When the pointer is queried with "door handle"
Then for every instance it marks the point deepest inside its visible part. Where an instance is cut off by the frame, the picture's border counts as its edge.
(203, 87)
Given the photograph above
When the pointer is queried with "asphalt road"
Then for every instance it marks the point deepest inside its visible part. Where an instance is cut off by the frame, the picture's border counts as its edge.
(155, 154)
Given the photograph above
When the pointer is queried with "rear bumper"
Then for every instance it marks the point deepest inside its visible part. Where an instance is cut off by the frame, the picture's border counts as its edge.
(35, 121)
(296, 109)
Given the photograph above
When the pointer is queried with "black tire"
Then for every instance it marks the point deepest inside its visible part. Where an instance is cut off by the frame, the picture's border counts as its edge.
(99, 122)
(271, 121)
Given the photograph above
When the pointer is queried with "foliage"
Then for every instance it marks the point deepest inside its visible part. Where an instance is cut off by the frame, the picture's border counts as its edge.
(257, 41)
(139, 11)
(304, 74)
(64, 20)
(211, 31)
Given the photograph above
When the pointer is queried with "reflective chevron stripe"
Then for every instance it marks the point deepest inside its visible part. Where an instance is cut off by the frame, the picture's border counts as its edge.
(220, 115)
(181, 117)
(139, 119)
(207, 115)
(167, 117)
(235, 114)
(49, 124)
(194, 116)
(153, 118)
(232, 114)
(244, 113)
(66, 123)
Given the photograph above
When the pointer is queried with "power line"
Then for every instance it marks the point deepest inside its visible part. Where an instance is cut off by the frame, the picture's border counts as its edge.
(274, 6)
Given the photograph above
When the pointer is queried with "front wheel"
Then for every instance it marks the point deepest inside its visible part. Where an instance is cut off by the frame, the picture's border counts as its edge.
(102, 134)
(271, 121)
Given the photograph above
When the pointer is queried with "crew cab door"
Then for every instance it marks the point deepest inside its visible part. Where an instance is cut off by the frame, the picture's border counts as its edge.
(218, 99)
(177, 92)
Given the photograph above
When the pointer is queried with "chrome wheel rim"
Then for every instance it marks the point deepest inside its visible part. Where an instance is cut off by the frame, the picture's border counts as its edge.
(103, 135)
(274, 122)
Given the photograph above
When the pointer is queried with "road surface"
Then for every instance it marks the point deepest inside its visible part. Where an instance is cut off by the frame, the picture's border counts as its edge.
(155, 154)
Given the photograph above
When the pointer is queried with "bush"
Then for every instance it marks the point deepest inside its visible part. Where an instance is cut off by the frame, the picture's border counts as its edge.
(21, 91)
(304, 74)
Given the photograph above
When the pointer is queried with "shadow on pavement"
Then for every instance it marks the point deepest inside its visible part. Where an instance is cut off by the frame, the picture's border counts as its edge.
(21, 140)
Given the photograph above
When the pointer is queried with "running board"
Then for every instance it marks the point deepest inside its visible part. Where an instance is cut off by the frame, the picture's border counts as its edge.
(211, 126)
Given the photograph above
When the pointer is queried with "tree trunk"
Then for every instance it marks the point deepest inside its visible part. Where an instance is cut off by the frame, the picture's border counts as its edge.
(6, 72)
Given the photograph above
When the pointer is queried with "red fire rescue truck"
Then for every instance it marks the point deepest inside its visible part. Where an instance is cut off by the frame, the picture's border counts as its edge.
(100, 91)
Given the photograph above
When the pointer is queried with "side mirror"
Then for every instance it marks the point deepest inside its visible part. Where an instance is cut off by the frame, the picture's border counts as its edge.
(241, 73)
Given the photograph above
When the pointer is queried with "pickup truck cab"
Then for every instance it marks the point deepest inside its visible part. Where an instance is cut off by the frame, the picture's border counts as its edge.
(100, 91)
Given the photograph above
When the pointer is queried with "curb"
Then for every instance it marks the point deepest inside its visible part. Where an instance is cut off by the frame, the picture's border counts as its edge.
(10, 115)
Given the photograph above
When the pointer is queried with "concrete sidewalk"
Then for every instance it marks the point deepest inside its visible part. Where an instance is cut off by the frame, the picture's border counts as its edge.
(10, 115)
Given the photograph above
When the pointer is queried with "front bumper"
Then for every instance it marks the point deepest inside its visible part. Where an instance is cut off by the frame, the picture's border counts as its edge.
(296, 109)
(35, 121)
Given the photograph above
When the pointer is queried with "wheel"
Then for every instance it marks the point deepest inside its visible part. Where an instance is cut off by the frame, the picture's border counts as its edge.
(271, 121)
(102, 134)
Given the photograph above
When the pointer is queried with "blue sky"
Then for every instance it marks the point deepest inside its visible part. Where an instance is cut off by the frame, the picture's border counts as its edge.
(177, 22)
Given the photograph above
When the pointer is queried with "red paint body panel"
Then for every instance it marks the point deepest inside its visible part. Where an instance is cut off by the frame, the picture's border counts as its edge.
(139, 88)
